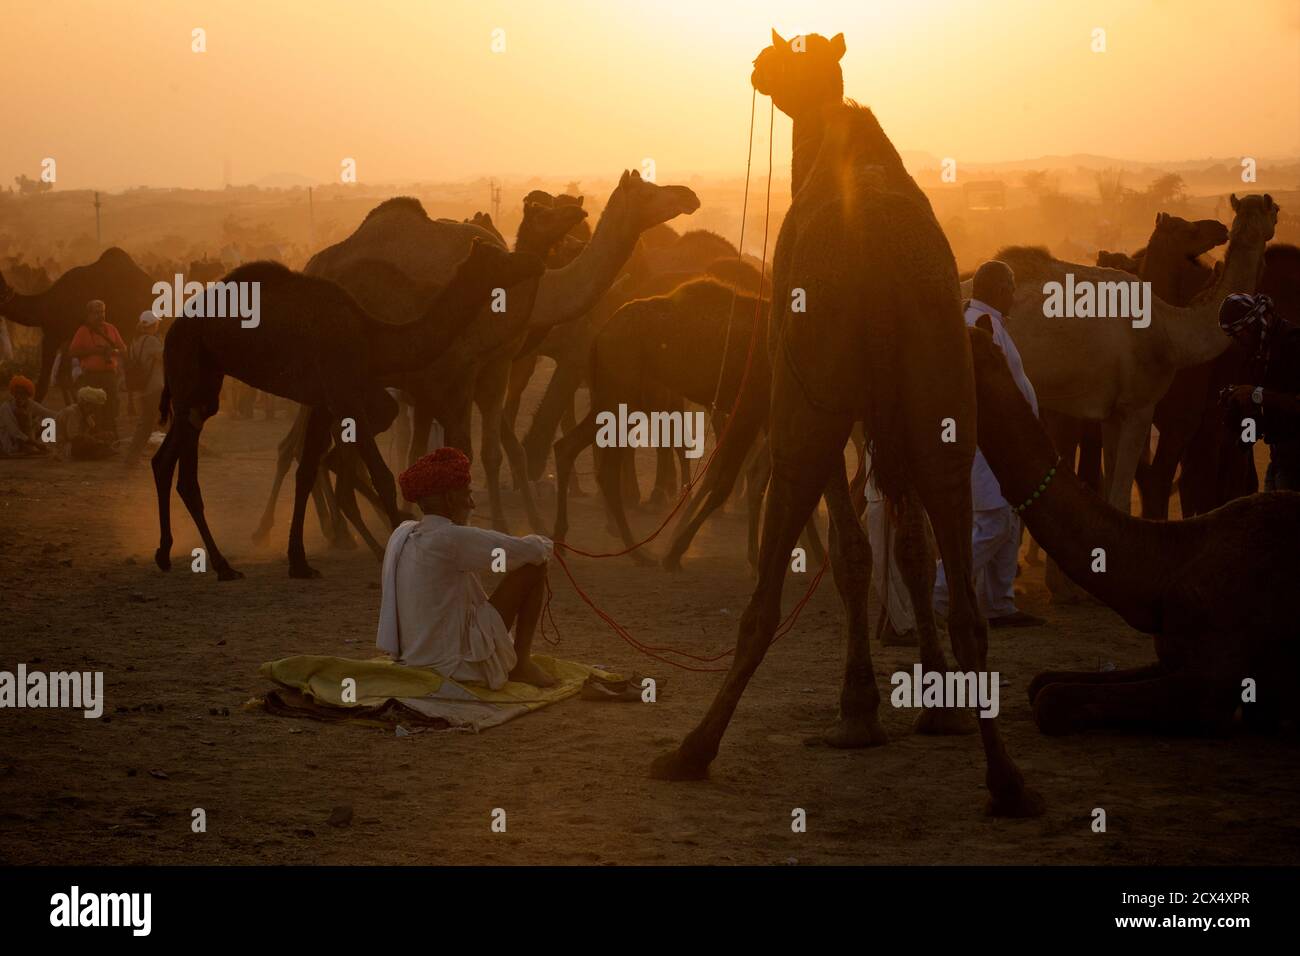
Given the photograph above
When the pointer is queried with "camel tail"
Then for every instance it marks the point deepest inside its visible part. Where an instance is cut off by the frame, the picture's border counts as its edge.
(165, 405)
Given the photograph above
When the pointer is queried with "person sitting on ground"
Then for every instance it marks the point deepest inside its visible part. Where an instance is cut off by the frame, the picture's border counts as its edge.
(78, 431)
(434, 611)
(22, 421)
(995, 540)
(144, 376)
(1272, 397)
(96, 346)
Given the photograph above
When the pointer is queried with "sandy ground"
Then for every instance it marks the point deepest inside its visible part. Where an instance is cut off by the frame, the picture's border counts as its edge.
(80, 591)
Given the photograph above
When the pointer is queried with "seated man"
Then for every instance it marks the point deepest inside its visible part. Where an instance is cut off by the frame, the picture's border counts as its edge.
(78, 431)
(21, 421)
(434, 611)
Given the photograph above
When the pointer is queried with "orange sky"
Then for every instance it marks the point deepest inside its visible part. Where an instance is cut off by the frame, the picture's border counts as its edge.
(412, 90)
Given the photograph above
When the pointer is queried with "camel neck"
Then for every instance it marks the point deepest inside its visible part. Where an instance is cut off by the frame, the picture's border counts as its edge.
(398, 349)
(1194, 333)
(1071, 522)
(571, 291)
(809, 130)
(23, 310)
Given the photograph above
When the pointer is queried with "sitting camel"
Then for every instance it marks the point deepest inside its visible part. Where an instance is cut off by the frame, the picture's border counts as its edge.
(1217, 591)
(314, 345)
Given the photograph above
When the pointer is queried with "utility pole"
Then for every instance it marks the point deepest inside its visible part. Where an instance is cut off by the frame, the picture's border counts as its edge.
(99, 242)
(311, 223)
(496, 202)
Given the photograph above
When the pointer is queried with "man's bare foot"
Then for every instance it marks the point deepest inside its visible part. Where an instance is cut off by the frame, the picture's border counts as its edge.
(526, 672)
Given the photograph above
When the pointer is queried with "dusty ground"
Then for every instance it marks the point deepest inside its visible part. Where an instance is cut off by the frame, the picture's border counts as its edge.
(80, 591)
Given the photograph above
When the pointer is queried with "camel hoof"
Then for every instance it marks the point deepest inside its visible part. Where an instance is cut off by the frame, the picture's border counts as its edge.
(229, 574)
(674, 766)
(641, 559)
(162, 559)
(1020, 804)
(671, 562)
(855, 733)
(891, 638)
(304, 571)
(261, 534)
(941, 722)
(658, 501)
(343, 542)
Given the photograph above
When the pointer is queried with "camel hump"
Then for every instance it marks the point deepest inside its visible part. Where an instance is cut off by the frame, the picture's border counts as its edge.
(398, 205)
(1026, 260)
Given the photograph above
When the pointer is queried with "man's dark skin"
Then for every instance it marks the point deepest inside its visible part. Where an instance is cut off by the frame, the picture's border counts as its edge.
(519, 597)
(1239, 396)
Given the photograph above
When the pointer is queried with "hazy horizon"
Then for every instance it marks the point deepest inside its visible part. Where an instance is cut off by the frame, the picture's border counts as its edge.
(414, 93)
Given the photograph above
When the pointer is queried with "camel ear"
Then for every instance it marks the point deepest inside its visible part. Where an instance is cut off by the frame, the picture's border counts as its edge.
(1234, 202)
(1160, 217)
(1268, 198)
(777, 40)
(580, 199)
(837, 46)
(622, 182)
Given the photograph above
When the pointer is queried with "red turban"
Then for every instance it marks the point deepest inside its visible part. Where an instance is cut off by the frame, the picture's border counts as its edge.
(446, 469)
(21, 383)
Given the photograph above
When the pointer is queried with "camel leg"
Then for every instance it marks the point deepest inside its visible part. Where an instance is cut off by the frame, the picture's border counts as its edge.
(1172, 703)
(49, 352)
(718, 482)
(858, 723)
(1146, 672)
(1130, 433)
(609, 472)
(164, 463)
(519, 473)
(422, 415)
(1156, 480)
(556, 404)
(665, 489)
(348, 483)
(315, 441)
(806, 447)
(381, 479)
(916, 566)
(187, 486)
(945, 492)
(284, 455)
(757, 474)
(567, 450)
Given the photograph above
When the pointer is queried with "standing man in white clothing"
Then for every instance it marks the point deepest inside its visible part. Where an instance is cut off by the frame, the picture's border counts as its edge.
(435, 612)
(996, 535)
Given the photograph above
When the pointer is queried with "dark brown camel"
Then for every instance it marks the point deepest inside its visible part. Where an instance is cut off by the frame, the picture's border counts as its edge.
(882, 296)
(314, 345)
(1217, 591)
(114, 277)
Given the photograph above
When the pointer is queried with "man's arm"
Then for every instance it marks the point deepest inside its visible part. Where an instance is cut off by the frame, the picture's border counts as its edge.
(476, 548)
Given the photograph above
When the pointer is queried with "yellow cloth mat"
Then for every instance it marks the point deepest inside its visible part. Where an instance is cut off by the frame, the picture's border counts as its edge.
(465, 706)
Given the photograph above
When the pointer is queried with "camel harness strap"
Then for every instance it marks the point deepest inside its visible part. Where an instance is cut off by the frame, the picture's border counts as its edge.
(1042, 487)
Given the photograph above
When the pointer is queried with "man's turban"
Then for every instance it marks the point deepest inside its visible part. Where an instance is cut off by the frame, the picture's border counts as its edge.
(20, 384)
(92, 396)
(446, 469)
(1240, 311)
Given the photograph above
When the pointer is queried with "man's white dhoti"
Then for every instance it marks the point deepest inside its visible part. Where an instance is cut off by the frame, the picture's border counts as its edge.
(886, 577)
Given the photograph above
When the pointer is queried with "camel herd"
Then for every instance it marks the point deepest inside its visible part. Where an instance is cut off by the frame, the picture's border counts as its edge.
(445, 314)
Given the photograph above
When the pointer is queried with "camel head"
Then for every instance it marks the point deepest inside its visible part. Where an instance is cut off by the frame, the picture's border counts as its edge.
(1187, 239)
(801, 75)
(1118, 260)
(640, 205)
(1001, 405)
(545, 226)
(1254, 218)
(488, 266)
